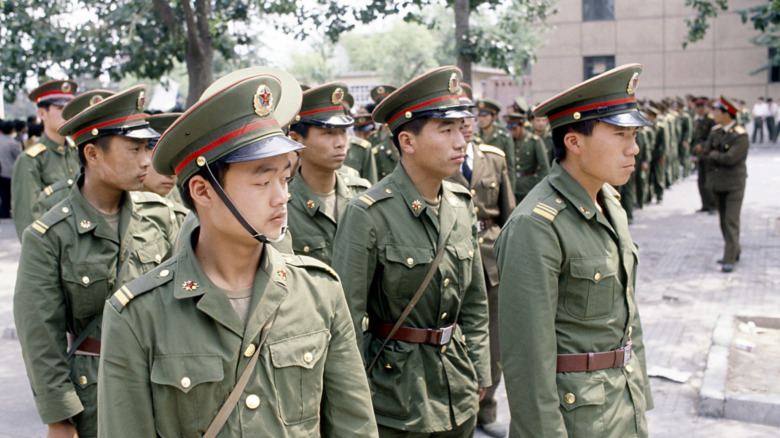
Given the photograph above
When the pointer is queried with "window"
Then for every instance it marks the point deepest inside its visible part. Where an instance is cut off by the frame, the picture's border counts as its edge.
(598, 10)
(596, 65)
(774, 70)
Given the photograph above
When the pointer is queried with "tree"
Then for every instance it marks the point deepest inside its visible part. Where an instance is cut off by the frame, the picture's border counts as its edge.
(765, 19)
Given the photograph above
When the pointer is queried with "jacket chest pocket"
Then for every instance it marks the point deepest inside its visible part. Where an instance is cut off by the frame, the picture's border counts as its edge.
(464, 250)
(405, 269)
(298, 373)
(489, 190)
(187, 391)
(312, 246)
(152, 254)
(86, 286)
(590, 289)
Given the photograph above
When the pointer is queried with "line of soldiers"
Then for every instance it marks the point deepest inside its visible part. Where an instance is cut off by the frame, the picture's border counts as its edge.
(304, 297)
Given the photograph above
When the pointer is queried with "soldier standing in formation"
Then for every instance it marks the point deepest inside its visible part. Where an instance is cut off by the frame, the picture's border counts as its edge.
(490, 131)
(702, 126)
(725, 154)
(567, 268)
(163, 185)
(47, 162)
(99, 237)
(385, 153)
(407, 254)
(527, 159)
(318, 192)
(228, 305)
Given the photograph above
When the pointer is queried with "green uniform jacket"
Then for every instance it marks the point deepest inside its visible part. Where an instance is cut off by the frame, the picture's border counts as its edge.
(51, 195)
(173, 353)
(361, 158)
(312, 227)
(493, 198)
(71, 261)
(499, 137)
(42, 164)
(386, 157)
(567, 286)
(528, 162)
(726, 153)
(384, 246)
(702, 128)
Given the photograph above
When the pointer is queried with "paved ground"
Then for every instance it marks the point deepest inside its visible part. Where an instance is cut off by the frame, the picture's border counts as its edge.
(681, 294)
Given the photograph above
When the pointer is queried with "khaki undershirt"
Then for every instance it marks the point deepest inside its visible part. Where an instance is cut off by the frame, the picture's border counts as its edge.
(433, 205)
(113, 220)
(240, 300)
(328, 200)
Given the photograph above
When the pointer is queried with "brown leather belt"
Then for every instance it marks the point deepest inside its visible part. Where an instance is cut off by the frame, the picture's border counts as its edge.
(89, 345)
(485, 224)
(440, 336)
(529, 173)
(569, 363)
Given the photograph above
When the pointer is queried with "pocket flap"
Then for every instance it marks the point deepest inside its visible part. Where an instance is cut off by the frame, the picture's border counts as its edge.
(186, 371)
(84, 274)
(152, 252)
(302, 351)
(464, 249)
(313, 242)
(575, 391)
(595, 269)
(409, 256)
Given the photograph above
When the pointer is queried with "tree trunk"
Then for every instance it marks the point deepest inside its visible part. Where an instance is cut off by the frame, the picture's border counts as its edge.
(200, 70)
(462, 12)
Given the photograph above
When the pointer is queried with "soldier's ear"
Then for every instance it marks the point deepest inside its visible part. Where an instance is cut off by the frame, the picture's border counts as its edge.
(201, 192)
(573, 142)
(407, 142)
(91, 153)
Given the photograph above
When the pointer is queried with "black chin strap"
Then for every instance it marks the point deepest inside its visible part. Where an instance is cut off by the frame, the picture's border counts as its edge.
(237, 214)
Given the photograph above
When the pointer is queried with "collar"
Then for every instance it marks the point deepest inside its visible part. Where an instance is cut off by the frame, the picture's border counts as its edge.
(728, 127)
(412, 197)
(52, 145)
(309, 200)
(570, 189)
(89, 219)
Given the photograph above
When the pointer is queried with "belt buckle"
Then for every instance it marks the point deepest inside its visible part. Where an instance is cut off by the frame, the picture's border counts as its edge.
(446, 334)
(626, 353)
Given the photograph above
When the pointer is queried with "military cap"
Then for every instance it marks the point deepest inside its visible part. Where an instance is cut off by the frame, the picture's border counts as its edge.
(520, 105)
(608, 97)
(84, 101)
(649, 109)
(488, 106)
(701, 101)
(514, 119)
(322, 106)
(380, 92)
(57, 92)
(238, 118)
(160, 123)
(727, 105)
(348, 102)
(466, 95)
(119, 114)
(434, 94)
(364, 123)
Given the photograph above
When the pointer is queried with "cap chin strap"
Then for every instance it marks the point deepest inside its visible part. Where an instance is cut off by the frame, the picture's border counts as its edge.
(237, 214)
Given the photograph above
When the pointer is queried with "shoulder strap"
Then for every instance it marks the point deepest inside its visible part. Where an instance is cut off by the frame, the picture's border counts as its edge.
(410, 306)
(235, 394)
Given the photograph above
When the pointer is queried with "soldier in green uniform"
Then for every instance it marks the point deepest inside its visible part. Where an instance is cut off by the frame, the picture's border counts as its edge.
(672, 154)
(99, 237)
(644, 140)
(484, 173)
(658, 163)
(429, 373)
(527, 159)
(702, 126)
(360, 157)
(318, 193)
(364, 126)
(490, 131)
(385, 154)
(163, 185)
(542, 129)
(228, 305)
(725, 154)
(571, 337)
(47, 162)
(685, 125)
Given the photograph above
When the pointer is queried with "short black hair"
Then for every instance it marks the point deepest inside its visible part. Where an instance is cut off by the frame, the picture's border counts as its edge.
(34, 130)
(19, 125)
(219, 168)
(7, 127)
(559, 148)
(413, 127)
(301, 129)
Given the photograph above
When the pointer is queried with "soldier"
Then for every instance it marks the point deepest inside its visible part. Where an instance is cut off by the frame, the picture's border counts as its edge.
(360, 157)
(99, 237)
(571, 338)
(484, 173)
(542, 129)
(318, 193)
(227, 305)
(412, 236)
(658, 163)
(364, 126)
(490, 131)
(702, 126)
(686, 134)
(385, 154)
(644, 140)
(527, 158)
(725, 153)
(48, 161)
(163, 185)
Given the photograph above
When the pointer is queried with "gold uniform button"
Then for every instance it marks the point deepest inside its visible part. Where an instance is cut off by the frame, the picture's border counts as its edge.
(476, 209)
(70, 182)
(250, 350)
(443, 348)
(481, 240)
(186, 382)
(444, 315)
(306, 249)
(85, 279)
(446, 282)
(559, 200)
(164, 273)
(471, 254)
(597, 277)
(629, 369)
(410, 261)
(388, 191)
(569, 398)
(307, 357)
(158, 257)
(252, 402)
(65, 209)
(388, 366)
(83, 380)
(473, 192)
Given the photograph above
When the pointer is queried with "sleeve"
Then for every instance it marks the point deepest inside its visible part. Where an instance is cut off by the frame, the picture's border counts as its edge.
(354, 259)
(733, 155)
(637, 336)
(39, 313)
(541, 158)
(529, 257)
(473, 317)
(124, 388)
(25, 188)
(346, 403)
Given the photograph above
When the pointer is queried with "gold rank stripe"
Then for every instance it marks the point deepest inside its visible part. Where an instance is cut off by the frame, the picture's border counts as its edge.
(48, 190)
(123, 295)
(545, 211)
(40, 227)
(367, 199)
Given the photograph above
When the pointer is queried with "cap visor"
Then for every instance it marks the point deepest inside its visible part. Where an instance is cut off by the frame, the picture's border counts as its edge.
(364, 128)
(58, 102)
(144, 132)
(265, 148)
(458, 113)
(331, 122)
(631, 118)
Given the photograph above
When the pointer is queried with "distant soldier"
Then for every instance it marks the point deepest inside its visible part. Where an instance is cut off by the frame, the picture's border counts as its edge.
(702, 127)
(364, 126)
(490, 131)
(10, 149)
(658, 163)
(542, 129)
(385, 153)
(47, 162)
(527, 160)
(644, 139)
(318, 192)
(163, 185)
(685, 125)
